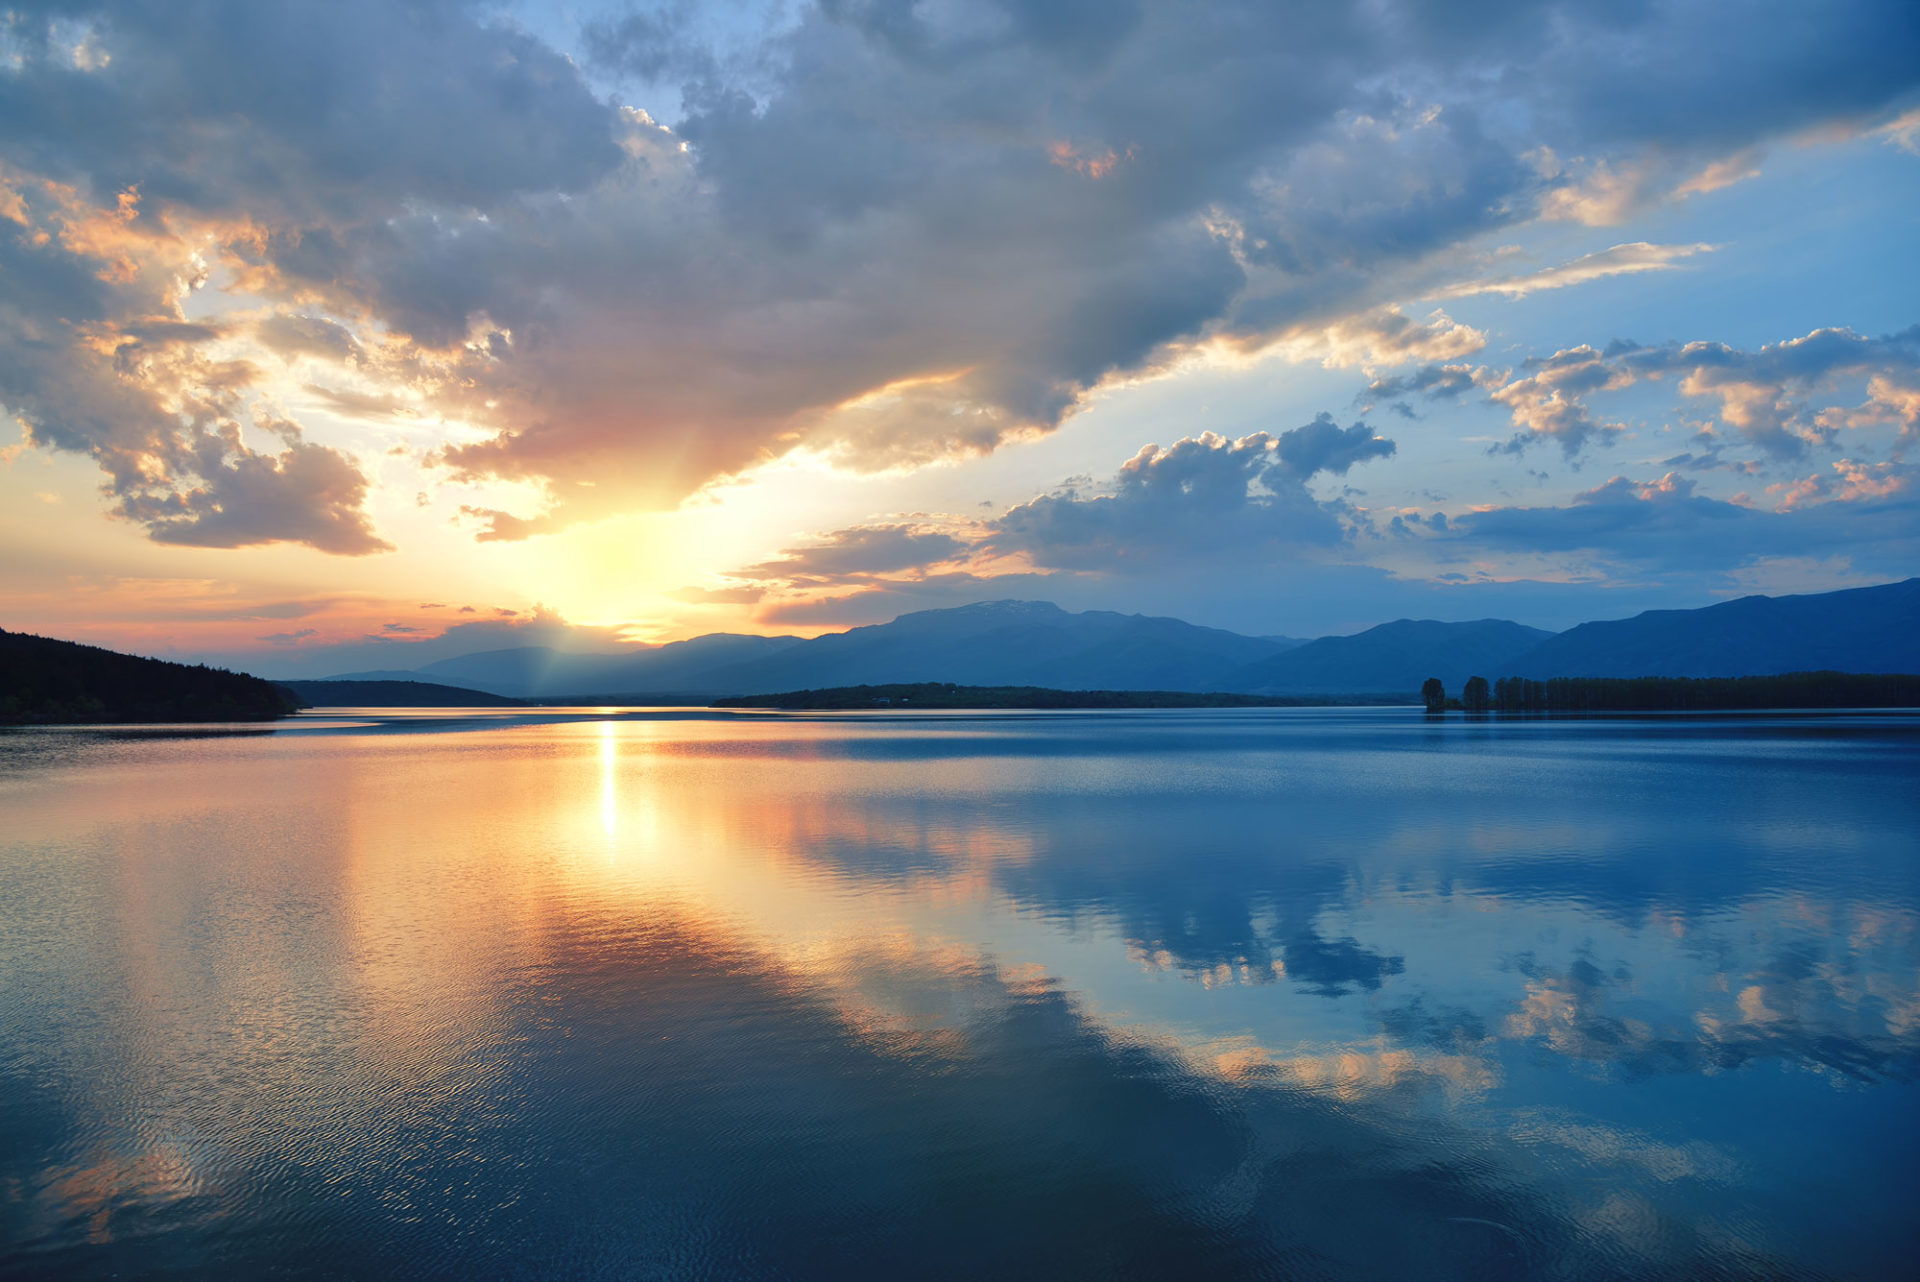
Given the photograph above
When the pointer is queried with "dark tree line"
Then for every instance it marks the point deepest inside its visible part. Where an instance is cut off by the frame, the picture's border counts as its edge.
(49, 682)
(1700, 694)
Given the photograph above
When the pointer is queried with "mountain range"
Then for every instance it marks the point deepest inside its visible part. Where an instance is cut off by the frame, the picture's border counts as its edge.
(1874, 629)
(1034, 643)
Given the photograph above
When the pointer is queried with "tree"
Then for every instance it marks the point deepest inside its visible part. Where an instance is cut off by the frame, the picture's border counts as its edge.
(1475, 695)
(1435, 694)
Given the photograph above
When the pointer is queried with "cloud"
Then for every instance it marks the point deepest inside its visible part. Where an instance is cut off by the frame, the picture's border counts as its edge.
(1621, 260)
(1550, 402)
(289, 638)
(1605, 193)
(650, 46)
(1203, 508)
(1765, 395)
(1325, 446)
(294, 336)
(1201, 497)
(1436, 382)
(96, 359)
(1852, 482)
(861, 550)
(242, 136)
(299, 113)
(1903, 132)
(1384, 336)
(888, 234)
(305, 494)
(362, 405)
(1870, 515)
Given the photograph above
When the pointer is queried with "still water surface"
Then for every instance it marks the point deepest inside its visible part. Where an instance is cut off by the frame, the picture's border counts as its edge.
(1255, 993)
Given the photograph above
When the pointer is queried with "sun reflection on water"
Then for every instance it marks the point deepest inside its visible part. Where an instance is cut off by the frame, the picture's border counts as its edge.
(609, 780)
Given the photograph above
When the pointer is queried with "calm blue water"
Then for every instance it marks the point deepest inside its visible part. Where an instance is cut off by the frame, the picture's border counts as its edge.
(1293, 994)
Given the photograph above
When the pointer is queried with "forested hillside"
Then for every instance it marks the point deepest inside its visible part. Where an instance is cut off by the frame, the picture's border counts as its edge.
(44, 681)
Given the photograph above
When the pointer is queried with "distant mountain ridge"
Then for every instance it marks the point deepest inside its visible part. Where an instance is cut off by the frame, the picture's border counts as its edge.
(1003, 643)
(1873, 629)
(1036, 643)
(542, 672)
(989, 643)
(1395, 656)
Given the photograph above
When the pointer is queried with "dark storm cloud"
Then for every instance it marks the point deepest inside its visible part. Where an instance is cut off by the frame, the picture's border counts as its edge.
(296, 111)
(889, 232)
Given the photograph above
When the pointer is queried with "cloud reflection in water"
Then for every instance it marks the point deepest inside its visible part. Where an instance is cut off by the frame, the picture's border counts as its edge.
(1245, 995)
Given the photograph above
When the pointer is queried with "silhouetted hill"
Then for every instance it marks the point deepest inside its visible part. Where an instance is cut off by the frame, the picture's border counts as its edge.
(1034, 643)
(998, 643)
(541, 672)
(392, 694)
(1874, 629)
(1009, 643)
(1394, 657)
(49, 682)
(935, 695)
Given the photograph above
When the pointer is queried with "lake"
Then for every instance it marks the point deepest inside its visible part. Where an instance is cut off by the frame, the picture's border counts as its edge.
(1250, 993)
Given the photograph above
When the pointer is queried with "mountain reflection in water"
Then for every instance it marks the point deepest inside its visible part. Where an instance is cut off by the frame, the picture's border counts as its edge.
(1252, 993)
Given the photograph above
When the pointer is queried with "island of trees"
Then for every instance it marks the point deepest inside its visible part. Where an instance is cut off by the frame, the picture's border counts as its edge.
(939, 695)
(1522, 695)
(49, 682)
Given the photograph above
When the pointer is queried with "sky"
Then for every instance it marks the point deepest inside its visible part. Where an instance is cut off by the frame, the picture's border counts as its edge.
(375, 328)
